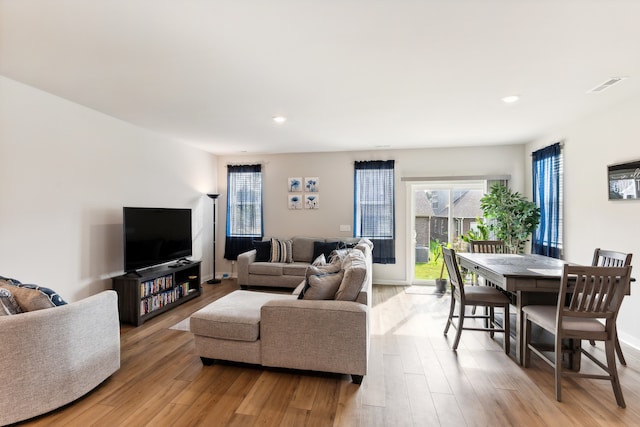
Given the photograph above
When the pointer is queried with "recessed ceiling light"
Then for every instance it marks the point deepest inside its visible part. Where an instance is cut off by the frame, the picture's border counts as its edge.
(279, 119)
(510, 99)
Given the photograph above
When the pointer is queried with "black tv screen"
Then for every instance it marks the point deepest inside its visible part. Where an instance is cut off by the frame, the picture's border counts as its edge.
(154, 236)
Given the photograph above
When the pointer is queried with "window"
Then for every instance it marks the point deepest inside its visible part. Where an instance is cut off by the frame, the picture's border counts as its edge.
(547, 171)
(374, 207)
(244, 209)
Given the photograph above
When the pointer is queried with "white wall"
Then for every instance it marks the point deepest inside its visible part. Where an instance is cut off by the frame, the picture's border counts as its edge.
(66, 172)
(335, 171)
(590, 219)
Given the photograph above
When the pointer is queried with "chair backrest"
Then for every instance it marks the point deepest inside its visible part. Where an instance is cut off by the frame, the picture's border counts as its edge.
(487, 246)
(605, 258)
(457, 285)
(597, 292)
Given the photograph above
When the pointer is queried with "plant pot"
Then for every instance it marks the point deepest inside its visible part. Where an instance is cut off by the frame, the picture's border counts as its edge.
(441, 285)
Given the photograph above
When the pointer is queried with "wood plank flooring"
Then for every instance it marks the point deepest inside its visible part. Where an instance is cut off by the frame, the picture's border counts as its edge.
(414, 379)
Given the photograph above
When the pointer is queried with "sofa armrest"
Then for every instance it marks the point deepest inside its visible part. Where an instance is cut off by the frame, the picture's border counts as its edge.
(244, 259)
(328, 336)
(52, 357)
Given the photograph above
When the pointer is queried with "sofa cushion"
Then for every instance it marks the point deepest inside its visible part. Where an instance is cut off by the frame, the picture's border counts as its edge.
(235, 316)
(281, 251)
(322, 247)
(355, 275)
(8, 304)
(302, 248)
(263, 250)
(323, 286)
(295, 269)
(266, 268)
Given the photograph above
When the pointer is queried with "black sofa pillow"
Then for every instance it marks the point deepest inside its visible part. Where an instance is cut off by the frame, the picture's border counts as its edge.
(325, 248)
(263, 250)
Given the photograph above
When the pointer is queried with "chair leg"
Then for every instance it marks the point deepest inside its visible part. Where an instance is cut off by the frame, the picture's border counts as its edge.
(507, 330)
(526, 338)
(450, 319)
(491, 321)
(558, 366)
(609, 347)
(619, 351)
(459, 329)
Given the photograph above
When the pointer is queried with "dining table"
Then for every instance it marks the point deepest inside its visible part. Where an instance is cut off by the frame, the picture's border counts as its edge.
(528, 278)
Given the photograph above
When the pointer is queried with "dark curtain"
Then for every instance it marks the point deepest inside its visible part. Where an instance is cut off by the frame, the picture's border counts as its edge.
(374, 207)
(546, 169)
(244, 209)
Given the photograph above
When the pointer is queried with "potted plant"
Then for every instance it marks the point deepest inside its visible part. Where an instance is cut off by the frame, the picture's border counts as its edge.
(511, 217)
(441, 282)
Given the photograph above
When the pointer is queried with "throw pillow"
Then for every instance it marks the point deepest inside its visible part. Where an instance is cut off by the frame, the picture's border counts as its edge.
(318, 271)
(31, 297)
(8, 304)
(263, 250)
(323, 248)
(355, 275)
(338, 255)
(321, 260)
(281, 251)
(323, 286)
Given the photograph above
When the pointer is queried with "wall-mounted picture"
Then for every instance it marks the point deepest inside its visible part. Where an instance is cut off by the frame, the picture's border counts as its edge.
(624, 181)
(295, 201)
(312, 201)
(295, 184)
(311, 184)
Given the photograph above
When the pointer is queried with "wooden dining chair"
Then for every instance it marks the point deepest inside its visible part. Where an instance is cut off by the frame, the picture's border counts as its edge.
(596, 297)
(487, 246)
(483, 296)
(484, 247)
(606, 258)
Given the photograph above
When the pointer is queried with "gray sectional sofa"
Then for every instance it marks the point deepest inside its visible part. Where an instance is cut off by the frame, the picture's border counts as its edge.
(256, 271)
(53, 356)
(282, 330)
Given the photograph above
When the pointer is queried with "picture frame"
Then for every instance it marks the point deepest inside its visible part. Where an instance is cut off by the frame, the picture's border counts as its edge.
(311, 184)
(294, 184)
(312, 201)
(294, 201)
(624, 181)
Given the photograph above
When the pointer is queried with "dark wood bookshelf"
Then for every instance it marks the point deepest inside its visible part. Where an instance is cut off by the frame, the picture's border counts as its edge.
(148, 293)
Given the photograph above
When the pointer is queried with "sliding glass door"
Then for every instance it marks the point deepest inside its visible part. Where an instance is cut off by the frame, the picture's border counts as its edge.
(440, 213)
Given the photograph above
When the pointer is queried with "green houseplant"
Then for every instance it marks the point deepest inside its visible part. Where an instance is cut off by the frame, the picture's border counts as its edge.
(511, 217)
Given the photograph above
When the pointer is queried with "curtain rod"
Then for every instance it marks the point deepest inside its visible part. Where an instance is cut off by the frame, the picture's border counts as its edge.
(455, 178)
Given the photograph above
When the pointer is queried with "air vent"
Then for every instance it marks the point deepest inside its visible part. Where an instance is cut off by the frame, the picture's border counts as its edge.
(606, 85)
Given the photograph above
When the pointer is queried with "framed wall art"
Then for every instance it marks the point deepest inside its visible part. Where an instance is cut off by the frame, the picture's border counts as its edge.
(624, 181)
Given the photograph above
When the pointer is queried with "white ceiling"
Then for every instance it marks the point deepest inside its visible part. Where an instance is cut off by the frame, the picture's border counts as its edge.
(348, 74)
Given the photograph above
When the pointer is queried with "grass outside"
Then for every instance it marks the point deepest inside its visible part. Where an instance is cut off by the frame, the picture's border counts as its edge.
(430, 270)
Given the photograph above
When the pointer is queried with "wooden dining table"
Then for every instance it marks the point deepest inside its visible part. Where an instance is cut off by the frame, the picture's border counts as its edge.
(529, 278)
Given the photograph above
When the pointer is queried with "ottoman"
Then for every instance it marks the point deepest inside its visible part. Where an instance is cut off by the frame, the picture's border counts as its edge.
(229, 328)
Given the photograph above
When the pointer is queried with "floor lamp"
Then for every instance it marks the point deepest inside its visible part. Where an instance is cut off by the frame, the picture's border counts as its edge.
(213, 281)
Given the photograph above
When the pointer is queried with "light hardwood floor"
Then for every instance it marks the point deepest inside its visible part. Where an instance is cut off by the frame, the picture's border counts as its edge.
(414, 380)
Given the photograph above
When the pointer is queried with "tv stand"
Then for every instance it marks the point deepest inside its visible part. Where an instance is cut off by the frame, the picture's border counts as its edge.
(148, 293)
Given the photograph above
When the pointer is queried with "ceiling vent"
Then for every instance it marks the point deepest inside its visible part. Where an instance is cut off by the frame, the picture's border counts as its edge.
(606, 85)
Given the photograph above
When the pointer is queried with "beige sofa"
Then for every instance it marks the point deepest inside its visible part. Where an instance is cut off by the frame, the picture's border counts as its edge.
(280, 330)
(51, 357)
(252, 272)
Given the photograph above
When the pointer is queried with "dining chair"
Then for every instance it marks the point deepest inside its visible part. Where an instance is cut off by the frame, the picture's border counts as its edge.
(606, 258)
(596, 295)
(483, 296)
(484, 247)
(487, 246)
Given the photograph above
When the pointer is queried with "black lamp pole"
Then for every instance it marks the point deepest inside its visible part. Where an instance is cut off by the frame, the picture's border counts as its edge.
(213, 281)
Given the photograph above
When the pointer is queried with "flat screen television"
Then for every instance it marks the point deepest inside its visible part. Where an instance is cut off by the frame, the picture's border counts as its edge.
(154, 236)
